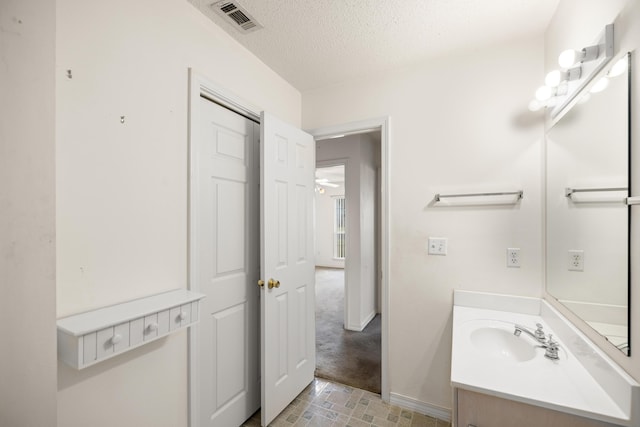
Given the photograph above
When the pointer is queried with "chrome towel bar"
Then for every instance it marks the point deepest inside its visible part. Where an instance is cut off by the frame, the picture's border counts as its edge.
(570, 191)
(438, 197)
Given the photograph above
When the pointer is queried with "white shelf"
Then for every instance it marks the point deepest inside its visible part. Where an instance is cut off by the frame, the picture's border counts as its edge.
(88, 338)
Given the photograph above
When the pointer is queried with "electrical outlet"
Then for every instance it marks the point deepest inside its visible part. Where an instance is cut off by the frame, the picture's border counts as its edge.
(513, 257)
(576, 260)
(437, 246)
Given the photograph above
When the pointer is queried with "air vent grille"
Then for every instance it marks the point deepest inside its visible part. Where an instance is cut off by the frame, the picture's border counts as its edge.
(236, 15)
(229, 7)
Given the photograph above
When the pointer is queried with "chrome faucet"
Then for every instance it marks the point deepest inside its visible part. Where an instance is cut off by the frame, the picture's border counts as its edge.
(538, 335)
(551, 347)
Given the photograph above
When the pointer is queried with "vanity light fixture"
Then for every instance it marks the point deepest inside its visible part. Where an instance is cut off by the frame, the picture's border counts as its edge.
(577, 69)
(544, 93)
(546, 97)
(617, 70)
(556, 77)
(571, 57)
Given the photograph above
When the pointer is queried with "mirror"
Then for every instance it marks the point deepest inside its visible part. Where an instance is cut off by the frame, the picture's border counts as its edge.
(587, 219)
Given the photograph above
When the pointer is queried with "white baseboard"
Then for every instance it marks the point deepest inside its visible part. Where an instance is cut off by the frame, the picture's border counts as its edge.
(360, 327)
(420, 407)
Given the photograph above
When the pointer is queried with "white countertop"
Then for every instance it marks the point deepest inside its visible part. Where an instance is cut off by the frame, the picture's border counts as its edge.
(564, 385)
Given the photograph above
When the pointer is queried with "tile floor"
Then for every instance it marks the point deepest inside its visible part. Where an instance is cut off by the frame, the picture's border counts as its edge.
(324, 403)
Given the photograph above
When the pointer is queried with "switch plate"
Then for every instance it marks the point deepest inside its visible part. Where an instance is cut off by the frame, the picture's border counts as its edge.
(576, 260)
(437, 246)
(513, 257)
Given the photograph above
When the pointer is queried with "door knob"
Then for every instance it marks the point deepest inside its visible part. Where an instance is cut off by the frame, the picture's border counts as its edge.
(261, 283)
(274, 283)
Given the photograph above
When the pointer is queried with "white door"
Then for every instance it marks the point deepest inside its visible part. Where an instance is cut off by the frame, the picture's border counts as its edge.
(225, 246)
(287, 266)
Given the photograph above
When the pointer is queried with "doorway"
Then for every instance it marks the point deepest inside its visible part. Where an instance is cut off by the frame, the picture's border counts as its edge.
(348, 319)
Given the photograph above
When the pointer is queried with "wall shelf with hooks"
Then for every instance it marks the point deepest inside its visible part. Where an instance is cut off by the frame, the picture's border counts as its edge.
(88, 338)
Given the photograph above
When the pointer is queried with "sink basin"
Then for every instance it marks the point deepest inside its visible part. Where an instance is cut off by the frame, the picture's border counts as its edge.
(502, 344)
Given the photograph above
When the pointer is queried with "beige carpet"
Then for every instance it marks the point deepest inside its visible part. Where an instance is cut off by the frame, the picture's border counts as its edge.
(348, 357)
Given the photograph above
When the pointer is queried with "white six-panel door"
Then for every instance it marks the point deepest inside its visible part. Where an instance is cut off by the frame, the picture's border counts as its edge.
(225, 246)
(287, 265)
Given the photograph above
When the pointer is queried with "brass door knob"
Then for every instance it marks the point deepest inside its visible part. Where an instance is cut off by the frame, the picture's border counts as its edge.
(261, 283)
(274, 283)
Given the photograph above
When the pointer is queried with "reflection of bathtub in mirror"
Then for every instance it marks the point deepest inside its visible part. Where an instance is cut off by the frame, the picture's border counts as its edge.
(587, 230)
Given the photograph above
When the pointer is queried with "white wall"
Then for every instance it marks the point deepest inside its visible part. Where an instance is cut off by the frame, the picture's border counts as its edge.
(325, 210)
(458, 123)
(122, 188)
(358, 154)
(27, 213)
(576, 24)
(369, 155)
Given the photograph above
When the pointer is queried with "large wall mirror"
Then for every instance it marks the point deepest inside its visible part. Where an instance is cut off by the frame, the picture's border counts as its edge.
(587, 218)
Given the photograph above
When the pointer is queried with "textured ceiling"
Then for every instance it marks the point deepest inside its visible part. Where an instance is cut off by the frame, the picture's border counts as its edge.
(315, 43)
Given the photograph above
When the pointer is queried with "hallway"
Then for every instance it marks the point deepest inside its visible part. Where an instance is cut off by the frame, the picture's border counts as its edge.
(348, 357)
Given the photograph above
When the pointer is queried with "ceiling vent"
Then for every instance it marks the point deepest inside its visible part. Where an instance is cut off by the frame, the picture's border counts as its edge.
(236, 15)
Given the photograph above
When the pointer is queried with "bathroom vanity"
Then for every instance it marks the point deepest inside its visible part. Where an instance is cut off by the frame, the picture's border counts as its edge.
(480, 410)
(502, 378)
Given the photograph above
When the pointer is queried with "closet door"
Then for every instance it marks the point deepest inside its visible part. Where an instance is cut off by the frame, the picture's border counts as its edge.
(224, 257)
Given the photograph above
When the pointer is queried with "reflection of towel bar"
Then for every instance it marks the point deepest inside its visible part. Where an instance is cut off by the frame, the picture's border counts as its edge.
(510, 193)
(570, 191)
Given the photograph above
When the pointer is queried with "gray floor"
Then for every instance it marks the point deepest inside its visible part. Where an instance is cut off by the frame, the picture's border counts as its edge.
(347, 357)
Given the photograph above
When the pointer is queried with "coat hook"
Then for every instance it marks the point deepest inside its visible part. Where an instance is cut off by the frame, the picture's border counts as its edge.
(121, 119)
(69, 75)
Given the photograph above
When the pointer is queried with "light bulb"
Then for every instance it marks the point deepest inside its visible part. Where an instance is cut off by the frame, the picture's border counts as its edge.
(535, 105)
(600, 85)
(569, 58)
(543, 93)
(553, 78)
(619, 68)
(552, 102)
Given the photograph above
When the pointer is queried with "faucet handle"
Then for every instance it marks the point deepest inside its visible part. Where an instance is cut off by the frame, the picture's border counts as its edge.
(551, 349)
(539, 332)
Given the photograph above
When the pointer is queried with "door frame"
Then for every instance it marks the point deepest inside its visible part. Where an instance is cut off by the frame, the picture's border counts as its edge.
(381, 124)
(201, 86)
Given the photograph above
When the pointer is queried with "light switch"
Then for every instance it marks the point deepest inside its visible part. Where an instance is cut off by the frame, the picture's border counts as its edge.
(437, 246)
